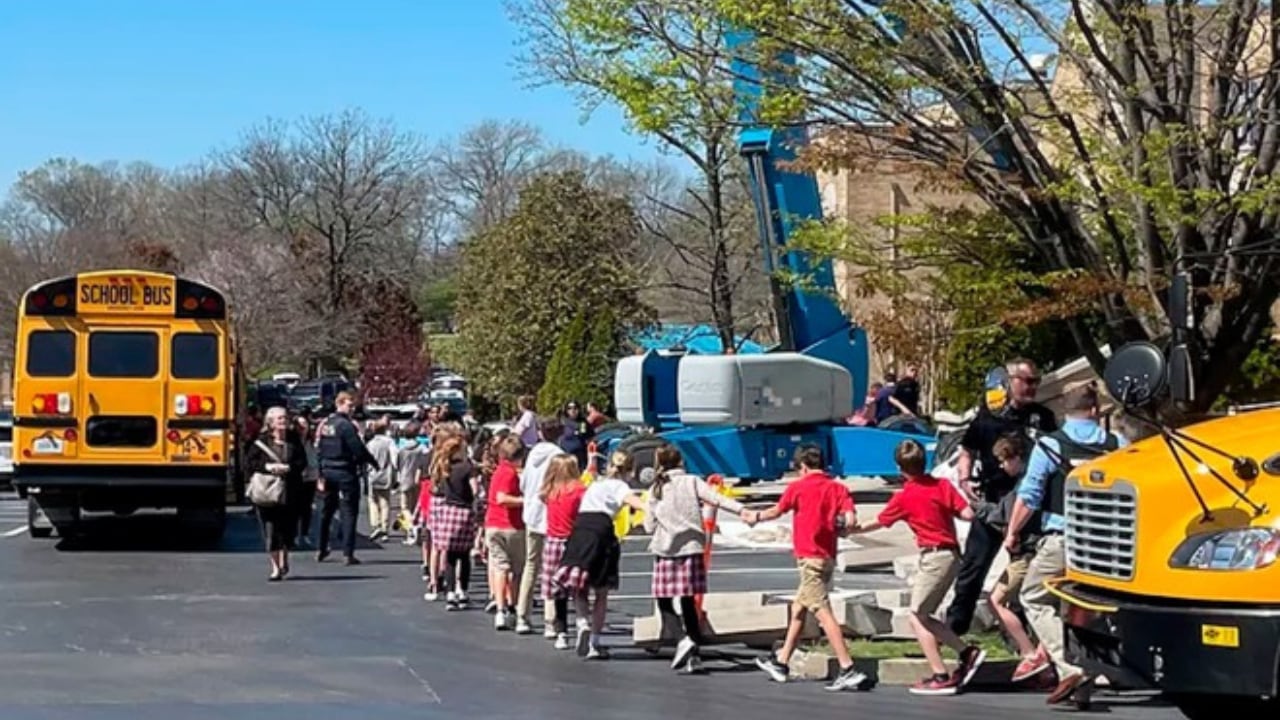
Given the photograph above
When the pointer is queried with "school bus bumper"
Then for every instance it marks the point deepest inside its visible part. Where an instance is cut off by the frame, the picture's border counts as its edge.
(99, 476)
(1175, 646)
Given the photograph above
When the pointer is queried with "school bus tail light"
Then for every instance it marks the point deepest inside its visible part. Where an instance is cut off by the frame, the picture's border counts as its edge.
(198, 302)
(51, 404)
(185, 405)
(53, 299)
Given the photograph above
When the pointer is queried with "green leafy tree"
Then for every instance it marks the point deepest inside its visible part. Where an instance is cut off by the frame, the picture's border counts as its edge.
(565, 379)
(1150, 146)
(705, 248)
(567, 249)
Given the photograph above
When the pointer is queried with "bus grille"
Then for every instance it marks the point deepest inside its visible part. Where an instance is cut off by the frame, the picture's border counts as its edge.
(1101, 533)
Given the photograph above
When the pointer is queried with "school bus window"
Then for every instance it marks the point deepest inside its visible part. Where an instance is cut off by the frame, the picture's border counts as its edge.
(194, 356)
(51, 353)
(124, 354)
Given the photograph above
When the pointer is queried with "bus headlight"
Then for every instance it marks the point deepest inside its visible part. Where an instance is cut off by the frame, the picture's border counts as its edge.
(1242, 549)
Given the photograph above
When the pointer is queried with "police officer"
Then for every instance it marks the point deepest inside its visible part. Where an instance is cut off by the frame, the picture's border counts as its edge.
(1023, 415)
(342, 455)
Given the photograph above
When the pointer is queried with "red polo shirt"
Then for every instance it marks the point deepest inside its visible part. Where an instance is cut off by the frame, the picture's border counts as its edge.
(817, 500)
(504, 480)
(930, 507)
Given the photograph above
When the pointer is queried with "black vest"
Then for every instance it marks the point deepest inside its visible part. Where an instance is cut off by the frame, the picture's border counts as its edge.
(1072, 455)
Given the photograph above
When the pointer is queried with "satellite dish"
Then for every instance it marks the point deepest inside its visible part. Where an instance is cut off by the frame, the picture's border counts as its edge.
(1136, 374)
(996, 390)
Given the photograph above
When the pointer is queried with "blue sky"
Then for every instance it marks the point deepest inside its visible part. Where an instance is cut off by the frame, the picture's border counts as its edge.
(167, 81)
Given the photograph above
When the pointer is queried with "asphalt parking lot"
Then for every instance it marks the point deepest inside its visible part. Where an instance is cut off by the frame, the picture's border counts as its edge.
(127, 624)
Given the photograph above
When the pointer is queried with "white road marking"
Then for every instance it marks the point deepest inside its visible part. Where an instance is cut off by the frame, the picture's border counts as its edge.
(645, 596)
(723, 571)
(16, 531)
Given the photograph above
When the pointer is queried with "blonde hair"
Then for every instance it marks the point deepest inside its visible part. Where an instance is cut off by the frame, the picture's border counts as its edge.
(561, 470)
(621, 465)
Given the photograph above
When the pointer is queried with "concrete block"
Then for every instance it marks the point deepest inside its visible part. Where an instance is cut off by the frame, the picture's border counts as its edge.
(890, 599)
(899, 626)
(905, 566)
(863, 620)
(813, 665)
(902, 671)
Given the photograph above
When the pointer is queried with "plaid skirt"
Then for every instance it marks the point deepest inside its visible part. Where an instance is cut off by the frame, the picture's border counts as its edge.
(552, 551)
(675, 577)
(453, 527)
(591, 556)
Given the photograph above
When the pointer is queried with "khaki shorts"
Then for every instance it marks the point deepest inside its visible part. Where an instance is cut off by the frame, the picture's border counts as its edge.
(816, 575)
(934, 577)
(506, 549)
(1013, 576)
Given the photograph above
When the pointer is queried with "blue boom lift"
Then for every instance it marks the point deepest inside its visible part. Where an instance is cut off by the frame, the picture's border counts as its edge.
(743, 415)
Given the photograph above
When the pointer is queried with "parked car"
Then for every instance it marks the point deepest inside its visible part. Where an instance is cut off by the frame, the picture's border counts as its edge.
(6, 446)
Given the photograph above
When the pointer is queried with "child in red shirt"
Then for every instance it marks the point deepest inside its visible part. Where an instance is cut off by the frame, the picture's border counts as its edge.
(562, 492)
(930, 506)
(820, 505)
(504, 529)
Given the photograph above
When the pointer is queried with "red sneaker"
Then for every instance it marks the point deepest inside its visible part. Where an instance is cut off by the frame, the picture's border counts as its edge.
(936, 685)
(1032, 666)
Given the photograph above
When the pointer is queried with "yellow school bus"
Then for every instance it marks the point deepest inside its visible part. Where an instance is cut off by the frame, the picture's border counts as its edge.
(126, 391)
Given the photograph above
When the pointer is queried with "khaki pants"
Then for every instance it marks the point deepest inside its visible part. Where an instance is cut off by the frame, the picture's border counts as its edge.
(506, 551)
(380, 509)
(816, 575)
(1043, 609)
(408, 503)
(530, 576)
(934, 576)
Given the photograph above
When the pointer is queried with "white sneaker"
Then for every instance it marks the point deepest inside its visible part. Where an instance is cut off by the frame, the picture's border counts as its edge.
(693, 666)
(549, 632)
(684, 651)
(500, 621)
(430, 596)
(583, 642)
(562, 642)
(523, 627)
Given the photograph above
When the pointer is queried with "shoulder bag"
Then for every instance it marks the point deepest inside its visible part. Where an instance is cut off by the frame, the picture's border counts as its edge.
(266, 489)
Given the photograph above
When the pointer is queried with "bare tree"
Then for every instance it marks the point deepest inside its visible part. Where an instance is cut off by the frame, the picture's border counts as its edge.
(343, 191)
(481, 173)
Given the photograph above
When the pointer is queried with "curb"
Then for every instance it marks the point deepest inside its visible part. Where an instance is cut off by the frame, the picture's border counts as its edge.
(897, 671)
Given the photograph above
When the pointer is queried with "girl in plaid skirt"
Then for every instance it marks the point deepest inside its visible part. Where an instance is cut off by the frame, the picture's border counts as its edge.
(561, 491)
(674, 518)
(427, 514)
(453, 516)
(591, 556)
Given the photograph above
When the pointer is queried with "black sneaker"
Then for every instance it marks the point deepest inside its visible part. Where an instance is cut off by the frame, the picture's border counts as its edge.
(848, 679)
(776, 670)
(426, 573)
(970, 660)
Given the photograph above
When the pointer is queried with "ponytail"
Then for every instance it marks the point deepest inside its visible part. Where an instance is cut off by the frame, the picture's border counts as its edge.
(667, 458)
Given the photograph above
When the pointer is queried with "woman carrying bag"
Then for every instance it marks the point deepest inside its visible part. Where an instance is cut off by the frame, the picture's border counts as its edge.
(276, 461)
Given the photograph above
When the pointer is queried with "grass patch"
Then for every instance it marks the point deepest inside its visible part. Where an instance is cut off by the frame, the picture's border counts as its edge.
(992, 642)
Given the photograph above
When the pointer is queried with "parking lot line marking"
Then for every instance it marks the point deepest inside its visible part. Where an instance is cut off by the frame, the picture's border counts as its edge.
(16, 531)
(723, 571)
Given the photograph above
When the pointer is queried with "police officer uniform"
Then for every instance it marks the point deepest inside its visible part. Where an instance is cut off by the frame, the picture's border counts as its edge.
(342, 455)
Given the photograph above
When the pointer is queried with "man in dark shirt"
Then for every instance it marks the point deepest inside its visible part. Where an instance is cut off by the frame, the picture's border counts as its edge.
(907, 390)
(990, 483)
(342, 456)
